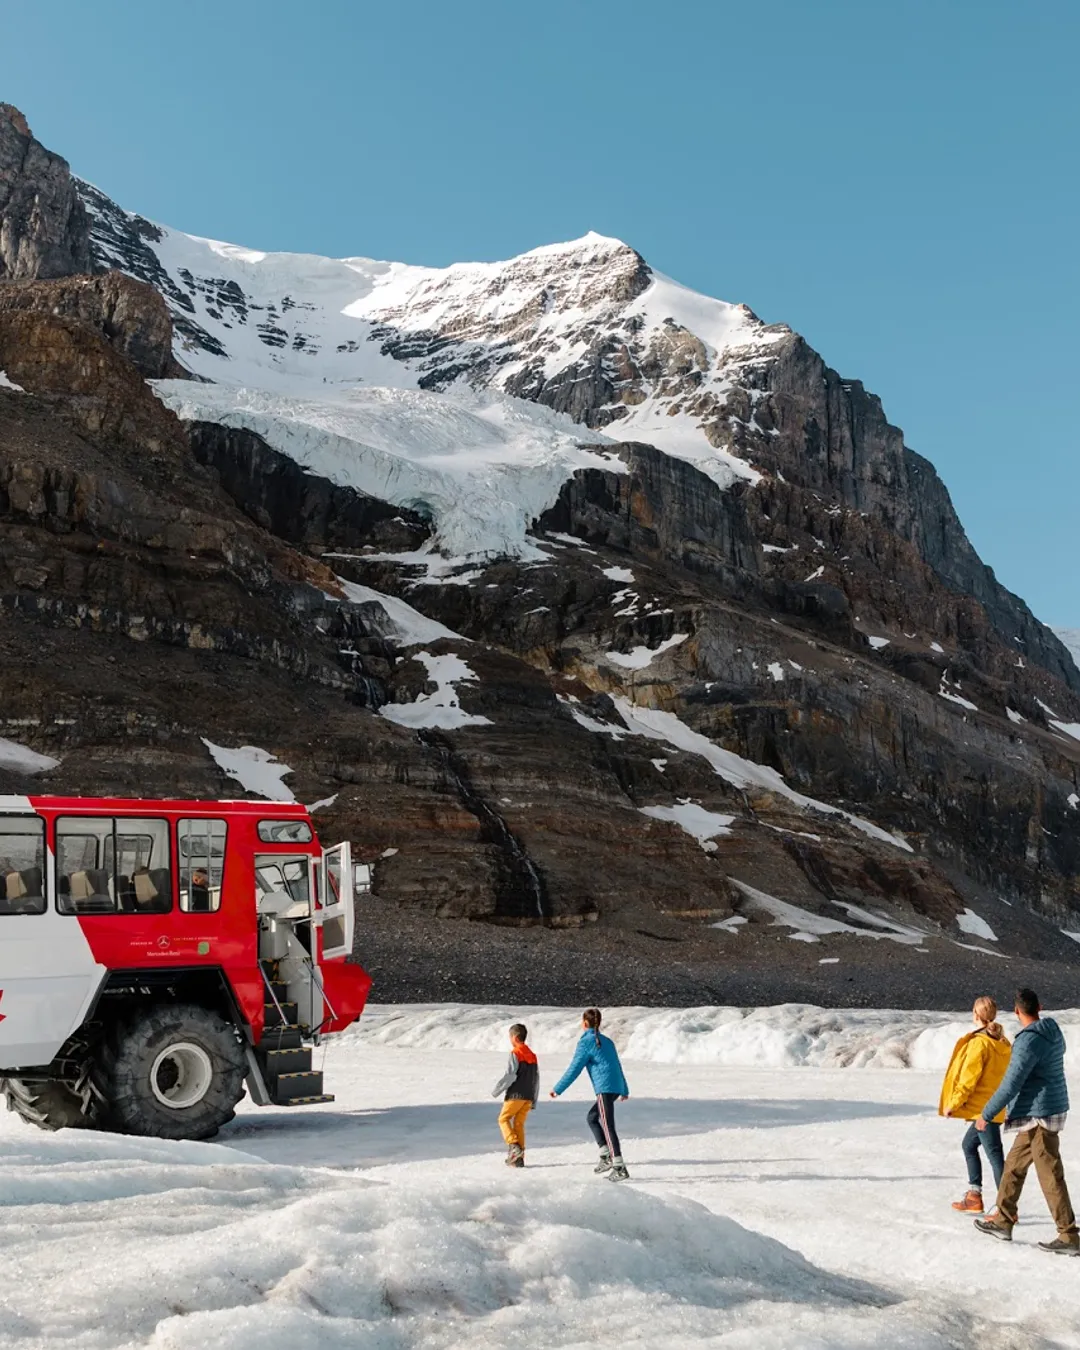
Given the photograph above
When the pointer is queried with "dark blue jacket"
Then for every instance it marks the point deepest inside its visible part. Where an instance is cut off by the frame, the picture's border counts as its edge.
(599, 1056)
(1034, 1084)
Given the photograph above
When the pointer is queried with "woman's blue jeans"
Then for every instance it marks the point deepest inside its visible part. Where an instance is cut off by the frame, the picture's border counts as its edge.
(990, 1142)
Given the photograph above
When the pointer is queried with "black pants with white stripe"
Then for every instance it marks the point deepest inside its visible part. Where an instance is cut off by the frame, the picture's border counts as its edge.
(601, 1120)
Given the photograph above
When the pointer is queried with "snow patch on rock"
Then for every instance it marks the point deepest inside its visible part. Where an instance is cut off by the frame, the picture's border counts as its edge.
(810, 927)
(257, 771)
(442, 708)
(741, 773)
(410, 626)
(702, 825)
(640, 657)
(18, 758)
(973, 924)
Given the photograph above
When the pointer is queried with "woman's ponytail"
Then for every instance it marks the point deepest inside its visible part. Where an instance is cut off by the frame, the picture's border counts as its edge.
(591, 1018)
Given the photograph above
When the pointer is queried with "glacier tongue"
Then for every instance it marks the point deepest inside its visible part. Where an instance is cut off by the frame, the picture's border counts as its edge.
(482, 467)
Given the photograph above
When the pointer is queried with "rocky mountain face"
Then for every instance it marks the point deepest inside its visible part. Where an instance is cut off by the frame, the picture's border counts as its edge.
(44, 228)
(742, 678)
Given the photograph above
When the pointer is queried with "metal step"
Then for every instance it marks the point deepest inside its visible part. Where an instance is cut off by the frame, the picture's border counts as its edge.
(308, 1101)
(283, 1015)
(288, 1086)
(281, 1038)
(284, 1059)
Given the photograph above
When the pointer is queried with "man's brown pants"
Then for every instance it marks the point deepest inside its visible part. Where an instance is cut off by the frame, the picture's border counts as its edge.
(1041, 1147)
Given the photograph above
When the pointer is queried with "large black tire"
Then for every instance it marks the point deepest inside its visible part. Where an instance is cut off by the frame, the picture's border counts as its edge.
(49, 1106)
(173, 1072)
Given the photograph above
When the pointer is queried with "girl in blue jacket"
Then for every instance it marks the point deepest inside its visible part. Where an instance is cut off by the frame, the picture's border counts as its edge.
(598, 1054)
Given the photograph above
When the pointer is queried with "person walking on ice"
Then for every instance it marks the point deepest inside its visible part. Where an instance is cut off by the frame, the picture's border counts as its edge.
(1036, 1099)
(975, 1071)
(521, 1086)
(598, 1055)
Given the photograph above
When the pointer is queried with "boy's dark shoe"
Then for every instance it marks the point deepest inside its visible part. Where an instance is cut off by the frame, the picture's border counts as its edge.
(604, 1165)
(618, 1173)
(519, 1161)
(999, 1228)
(1062, 1246)
(516, 1156)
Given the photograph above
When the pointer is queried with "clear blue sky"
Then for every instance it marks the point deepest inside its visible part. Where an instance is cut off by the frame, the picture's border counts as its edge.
(898, 181)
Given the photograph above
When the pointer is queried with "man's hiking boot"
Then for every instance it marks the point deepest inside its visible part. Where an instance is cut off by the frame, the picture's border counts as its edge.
(604, 1165)
(972, 1203)
(999, 1228)
(618, 1171)
(1062, 1246)
(516, 1156)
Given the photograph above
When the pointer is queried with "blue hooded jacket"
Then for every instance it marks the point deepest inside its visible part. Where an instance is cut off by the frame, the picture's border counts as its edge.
(596, 1053)
(1034, 1084)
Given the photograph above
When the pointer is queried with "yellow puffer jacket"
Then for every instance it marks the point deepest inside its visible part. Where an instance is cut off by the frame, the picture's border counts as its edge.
(975, 1071)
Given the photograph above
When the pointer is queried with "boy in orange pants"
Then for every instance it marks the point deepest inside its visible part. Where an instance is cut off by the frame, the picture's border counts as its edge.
(520, 1085)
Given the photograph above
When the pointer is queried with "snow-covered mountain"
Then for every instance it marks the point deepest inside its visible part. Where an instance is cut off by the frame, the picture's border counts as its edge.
(1071, 638)
(464, 392)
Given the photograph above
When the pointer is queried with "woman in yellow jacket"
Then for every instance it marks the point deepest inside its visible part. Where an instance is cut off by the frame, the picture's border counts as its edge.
(977, 1066)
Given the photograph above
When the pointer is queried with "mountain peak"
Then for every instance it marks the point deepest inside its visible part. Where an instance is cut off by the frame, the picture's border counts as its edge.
(9, 113)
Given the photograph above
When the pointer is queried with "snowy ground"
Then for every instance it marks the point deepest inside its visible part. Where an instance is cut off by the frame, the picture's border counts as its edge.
(797, 1205)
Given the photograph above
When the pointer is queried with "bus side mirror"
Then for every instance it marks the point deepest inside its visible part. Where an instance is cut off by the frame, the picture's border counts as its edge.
(361, 879)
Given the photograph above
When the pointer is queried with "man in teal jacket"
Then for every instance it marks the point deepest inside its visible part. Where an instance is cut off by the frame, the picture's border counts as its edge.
(1036, 1096)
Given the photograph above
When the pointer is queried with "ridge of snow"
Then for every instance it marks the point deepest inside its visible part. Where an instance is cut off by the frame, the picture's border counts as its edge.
(792, 1035)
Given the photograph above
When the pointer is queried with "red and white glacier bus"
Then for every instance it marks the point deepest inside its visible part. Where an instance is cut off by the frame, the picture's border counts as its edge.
(155, 956)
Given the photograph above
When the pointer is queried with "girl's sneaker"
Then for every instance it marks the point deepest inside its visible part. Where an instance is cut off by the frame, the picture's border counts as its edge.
(604, 1165)
(972, 1203)
(516, 1156)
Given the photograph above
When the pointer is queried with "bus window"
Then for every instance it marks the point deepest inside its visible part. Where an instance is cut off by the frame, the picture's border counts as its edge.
(202, 864)
(113, 865)
(22, 865)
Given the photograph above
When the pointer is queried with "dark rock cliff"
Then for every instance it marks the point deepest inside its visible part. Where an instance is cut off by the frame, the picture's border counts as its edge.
(44, 228)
